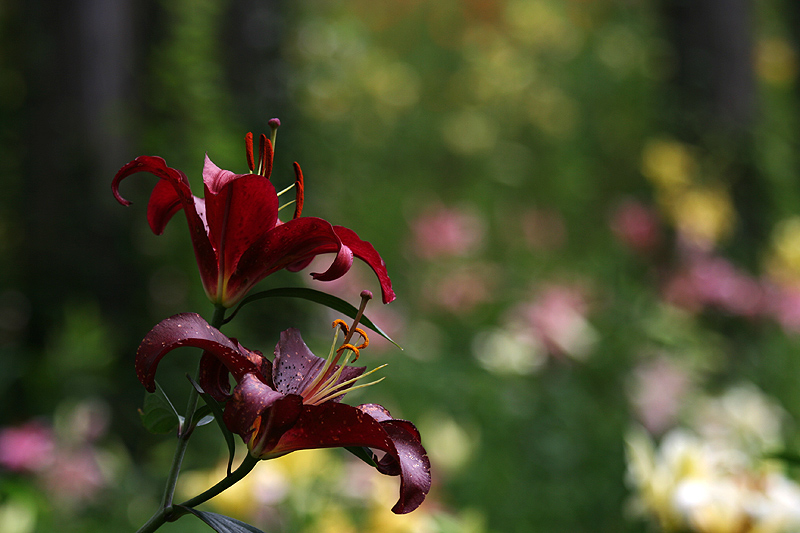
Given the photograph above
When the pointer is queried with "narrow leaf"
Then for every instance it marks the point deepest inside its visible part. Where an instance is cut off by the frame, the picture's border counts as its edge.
(216, 410)
(221, 523)
(203, 416)
(158, 414)
(362, 453)
(313, 295)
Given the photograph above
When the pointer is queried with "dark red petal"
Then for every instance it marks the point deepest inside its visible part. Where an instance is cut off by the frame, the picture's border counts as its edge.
(367, 253)
(162, 207)
(414, 466)
(164, 203)
(296, 240)
(153, 164)
(213, 377)
(378, 412)
(240, 209)
(188, 329)
(339, 267)
(332, 425)
(351, 245)
(251, 398)
(295, 367)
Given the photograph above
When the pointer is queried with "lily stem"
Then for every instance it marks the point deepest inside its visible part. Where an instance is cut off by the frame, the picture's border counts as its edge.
(166, 510)
(237, 475)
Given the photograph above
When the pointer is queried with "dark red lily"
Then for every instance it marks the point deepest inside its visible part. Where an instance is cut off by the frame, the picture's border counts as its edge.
(237, 236)
(293, 402)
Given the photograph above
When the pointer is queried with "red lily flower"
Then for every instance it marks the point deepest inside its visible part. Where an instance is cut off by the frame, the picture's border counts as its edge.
(293, 402)
(237, 236)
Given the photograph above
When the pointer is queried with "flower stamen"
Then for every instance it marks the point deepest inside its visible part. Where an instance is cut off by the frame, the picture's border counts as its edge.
(248, 148)
(342, 324)
(299, 190)
(287, 204)
(324, 387)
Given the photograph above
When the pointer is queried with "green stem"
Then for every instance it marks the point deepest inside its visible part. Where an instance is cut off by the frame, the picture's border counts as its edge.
(237, 475)
(166, 510)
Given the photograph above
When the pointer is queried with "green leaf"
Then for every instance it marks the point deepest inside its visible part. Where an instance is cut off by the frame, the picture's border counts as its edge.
(216, 410)
(362, 453)
(203, 416)
(221, 523)
(789, 457)
(312, 295)
(158, 414)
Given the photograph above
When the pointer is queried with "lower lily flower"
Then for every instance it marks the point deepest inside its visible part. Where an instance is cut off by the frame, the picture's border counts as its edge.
(294, 402)
(237, 236)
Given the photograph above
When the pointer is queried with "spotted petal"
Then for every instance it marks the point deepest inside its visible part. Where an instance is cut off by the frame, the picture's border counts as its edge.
(333, 425)
(189, 329)
(295, 367)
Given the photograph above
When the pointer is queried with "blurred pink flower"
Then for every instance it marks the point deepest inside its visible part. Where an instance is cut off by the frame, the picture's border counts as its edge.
(461, 289)
(26, 448)
(556, 318)
(441, 231)
(785, 307)
(657, 390)
(544, 229)
(636, 225)
(74, 478)
(712, 281)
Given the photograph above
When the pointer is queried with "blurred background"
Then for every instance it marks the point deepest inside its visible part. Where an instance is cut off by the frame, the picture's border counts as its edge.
(590, 211)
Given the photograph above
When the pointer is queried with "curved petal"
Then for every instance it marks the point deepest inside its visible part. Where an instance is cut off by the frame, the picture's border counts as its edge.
(339, 267)
(295, 367)
(367, 253)
(188, 329)
(165, 203)
(349, 245)
(285, 244)
(333, 425)
(154, 165)
(251, 397)
(214, 376)
(240, 209)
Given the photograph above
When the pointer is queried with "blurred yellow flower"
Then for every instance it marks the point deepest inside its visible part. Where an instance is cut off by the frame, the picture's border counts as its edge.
(543, 25)
(449, 445)
(783, 260)
(776, 61)
(668, 164)
(332, 519)
(704, 214)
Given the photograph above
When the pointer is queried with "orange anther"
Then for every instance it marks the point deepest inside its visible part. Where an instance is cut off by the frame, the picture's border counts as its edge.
(341, 323)
(248, 147)
(351, 348)
(363, 336)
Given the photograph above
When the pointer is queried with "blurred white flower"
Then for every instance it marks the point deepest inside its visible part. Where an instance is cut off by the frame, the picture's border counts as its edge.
(715, 479)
